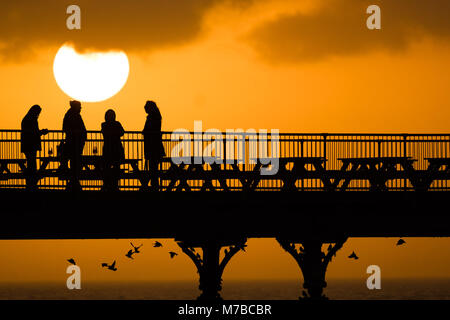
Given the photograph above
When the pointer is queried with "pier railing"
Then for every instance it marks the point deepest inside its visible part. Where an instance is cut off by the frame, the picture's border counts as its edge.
(236, 152)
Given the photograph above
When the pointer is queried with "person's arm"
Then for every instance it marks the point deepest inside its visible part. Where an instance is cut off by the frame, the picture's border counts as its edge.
(65, 124)
(146, 127)
(36, 130)
(121, 131)
(23, 126)
(83, 129)
(159, 125)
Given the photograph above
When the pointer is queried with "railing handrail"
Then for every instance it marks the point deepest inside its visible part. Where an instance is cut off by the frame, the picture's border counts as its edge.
(281, 133)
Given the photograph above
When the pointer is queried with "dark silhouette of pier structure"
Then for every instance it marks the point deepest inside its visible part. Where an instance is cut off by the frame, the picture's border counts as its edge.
(329, 187)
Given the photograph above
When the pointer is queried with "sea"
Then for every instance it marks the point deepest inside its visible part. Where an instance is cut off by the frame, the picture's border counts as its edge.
(337, 289)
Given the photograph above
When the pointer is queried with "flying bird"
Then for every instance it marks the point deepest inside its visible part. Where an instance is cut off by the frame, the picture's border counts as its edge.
(130, 254)
(242, 247)
(72, 261)
(172, 254)
(157, 244)
(353, 256)
(400, 242)
(111, 267)
(136, 249)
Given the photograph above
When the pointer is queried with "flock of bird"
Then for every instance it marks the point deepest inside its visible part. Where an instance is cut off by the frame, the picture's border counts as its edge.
(129, 255)
(172, 254)
(354, 256)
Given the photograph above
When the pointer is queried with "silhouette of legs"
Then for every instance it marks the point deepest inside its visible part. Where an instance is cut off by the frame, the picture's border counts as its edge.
(111, 173)
(209, 266)
(313, 263)
(154, 179)
(75, 169)
(31, 171)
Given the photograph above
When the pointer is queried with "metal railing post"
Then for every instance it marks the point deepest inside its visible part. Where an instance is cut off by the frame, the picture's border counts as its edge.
(405, 180)
(325, 135)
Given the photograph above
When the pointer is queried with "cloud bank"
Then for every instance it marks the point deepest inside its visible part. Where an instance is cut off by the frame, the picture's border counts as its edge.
(338, 28)
(26, 25)
(335, 28)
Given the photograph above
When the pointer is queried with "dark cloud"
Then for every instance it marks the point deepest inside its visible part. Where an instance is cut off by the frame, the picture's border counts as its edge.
(106, 24)
(338, 28)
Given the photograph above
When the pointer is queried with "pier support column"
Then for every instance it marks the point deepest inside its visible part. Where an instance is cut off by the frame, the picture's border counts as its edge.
(209, 266)
(313, 263)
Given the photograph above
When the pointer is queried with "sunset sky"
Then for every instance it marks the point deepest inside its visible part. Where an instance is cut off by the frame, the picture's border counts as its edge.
(292, 65)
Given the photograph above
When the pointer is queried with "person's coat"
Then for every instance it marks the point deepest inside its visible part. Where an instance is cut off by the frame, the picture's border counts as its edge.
(153, 146)
(30, 140)
(113, 151)
(76, 134)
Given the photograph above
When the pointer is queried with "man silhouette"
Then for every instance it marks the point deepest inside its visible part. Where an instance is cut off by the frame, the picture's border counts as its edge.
(153, 146)
(113, 152)
(30, 143)
(76, 135)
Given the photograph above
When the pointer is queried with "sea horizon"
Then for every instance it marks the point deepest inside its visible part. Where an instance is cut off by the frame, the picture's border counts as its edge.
(337, 289)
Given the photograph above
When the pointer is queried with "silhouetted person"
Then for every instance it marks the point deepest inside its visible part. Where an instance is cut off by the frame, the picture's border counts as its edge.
(76, 135)
(153, 147)
(30, 143)
(113, 152)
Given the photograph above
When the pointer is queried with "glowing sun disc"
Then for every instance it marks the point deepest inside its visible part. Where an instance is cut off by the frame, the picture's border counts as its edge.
(90, 77)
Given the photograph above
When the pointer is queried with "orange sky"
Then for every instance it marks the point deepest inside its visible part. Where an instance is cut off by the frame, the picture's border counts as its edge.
(45, 260)
(296, 66)
(220, 77)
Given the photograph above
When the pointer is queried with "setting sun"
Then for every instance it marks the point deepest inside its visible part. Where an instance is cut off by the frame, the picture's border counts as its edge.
(90, 77)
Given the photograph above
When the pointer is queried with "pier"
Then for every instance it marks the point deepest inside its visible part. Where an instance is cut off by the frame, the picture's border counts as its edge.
(326, 189)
